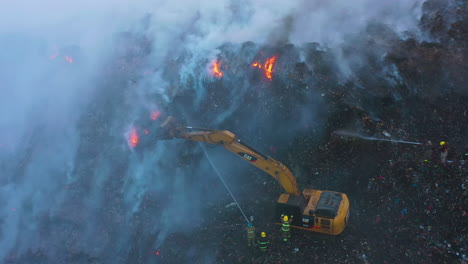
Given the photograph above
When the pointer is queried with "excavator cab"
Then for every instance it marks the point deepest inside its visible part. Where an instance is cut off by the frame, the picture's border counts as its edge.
(319, 211)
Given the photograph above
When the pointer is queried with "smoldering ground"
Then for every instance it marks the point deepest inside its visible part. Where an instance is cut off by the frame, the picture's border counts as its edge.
(77, 77)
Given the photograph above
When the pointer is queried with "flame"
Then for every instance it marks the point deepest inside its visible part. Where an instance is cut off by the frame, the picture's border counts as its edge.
(146, 132)
(133, 138)
(215, 69)
(155, 115)
(53, 56)
(69, 59)
(267, 67)
(269, 64)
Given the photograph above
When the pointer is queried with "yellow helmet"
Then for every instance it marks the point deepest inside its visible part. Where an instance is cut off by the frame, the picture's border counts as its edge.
(263, 234)
(442, 143)
(285, 218)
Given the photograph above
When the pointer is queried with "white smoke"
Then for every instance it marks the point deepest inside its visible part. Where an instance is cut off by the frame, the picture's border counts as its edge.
(43, 96)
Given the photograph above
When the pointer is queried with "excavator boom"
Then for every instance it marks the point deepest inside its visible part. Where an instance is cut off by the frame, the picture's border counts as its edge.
(230, 141)
(319, 211)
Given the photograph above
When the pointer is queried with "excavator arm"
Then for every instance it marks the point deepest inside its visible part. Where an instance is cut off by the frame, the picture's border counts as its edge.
(230, 141)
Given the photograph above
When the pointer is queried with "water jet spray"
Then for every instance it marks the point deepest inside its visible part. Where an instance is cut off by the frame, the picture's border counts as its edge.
(356, 135)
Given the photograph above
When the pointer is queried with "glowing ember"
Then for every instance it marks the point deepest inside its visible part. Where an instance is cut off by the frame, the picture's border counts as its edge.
(146, 132)
(53, 56)
(69, 59)
(155, 115)
(133, 138)
(267, 67)
(257, 64)
(215, 69)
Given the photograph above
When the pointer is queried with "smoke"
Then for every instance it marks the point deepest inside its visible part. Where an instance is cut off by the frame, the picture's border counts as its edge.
(329, 22)
(77, 76)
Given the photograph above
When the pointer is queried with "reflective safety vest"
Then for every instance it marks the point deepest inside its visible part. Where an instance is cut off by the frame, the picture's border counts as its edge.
(285, 224)
(250, 232)
(263, 243)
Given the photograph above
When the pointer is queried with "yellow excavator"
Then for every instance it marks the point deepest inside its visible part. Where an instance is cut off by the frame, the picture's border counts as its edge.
(325, 212)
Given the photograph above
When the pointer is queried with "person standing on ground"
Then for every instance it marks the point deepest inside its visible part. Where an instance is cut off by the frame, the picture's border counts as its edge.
(429, 153)
(250, 234)
(263, 242)
(285, 227)
(443, 152)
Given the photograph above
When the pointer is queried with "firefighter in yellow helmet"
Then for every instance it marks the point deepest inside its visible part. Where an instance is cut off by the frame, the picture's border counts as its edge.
(443, 152)
(263, 242)
(285, 227)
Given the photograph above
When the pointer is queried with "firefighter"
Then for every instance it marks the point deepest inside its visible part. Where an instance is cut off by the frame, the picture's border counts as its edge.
(429, 153)
(263, 242)
(443, 152)
(250, 234)
(286, 223)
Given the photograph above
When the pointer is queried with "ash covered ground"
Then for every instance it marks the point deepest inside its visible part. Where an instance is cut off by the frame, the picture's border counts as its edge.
(85, 180)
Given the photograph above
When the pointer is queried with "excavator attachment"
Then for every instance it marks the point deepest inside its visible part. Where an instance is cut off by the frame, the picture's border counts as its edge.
(169, 129)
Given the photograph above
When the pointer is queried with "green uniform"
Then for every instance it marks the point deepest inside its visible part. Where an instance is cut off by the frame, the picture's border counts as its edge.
(250, 235)
(285, 227)
(263, 243)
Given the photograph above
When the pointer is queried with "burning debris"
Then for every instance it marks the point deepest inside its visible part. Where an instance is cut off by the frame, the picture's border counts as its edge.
(267, 67)
(69, 59)
(400, 201)
(132, 138)
(53, 56)
(67, 53)
(155, 115)
(215, 69)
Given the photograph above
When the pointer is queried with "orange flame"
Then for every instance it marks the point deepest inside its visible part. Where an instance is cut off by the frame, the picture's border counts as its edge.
(133, 138)
(215, 69)
(267, 67)
(155, 115)
(269, 64)
(69, 59)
